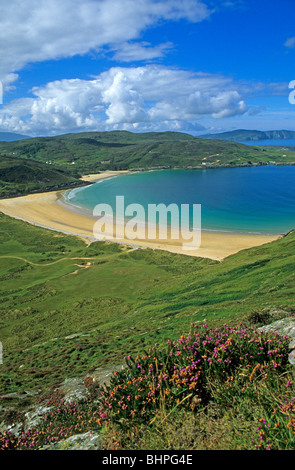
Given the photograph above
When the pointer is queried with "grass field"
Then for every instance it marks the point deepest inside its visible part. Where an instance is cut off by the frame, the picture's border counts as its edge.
(118, 299)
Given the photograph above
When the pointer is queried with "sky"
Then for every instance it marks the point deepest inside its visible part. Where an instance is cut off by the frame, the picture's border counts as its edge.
(195, 66)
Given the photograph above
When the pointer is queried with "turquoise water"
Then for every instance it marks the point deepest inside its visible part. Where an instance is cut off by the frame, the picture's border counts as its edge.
(252, 199)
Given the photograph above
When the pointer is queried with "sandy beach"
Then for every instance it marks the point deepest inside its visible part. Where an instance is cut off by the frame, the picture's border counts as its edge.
(49, 210)
(104, 175)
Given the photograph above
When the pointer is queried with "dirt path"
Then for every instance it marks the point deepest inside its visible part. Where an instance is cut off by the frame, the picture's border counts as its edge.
(48, 264)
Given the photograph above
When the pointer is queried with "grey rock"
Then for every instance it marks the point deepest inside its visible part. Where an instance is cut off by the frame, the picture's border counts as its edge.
(284, 327)
(291, 357)
(20, 395)
(87, 441)
(74, 390)
(103, 375)
(15, 428)
(34, 418)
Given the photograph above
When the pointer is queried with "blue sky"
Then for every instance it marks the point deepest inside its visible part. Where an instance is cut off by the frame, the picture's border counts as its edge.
(194, 66)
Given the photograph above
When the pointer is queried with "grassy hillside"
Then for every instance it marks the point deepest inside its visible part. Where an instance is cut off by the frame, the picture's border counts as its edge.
(118, 299)
(21, 176)
(96, 151)
(228, 388)
(68, 309)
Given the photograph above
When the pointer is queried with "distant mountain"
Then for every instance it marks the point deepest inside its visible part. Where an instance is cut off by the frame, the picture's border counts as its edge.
(243, 135)
(11, 137)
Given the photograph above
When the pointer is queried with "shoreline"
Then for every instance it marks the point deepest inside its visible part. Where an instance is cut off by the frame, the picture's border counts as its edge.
(104, 175)
(48, 210)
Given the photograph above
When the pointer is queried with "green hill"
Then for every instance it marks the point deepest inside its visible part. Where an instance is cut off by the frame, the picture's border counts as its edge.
(123, 300)
(70, 310)
(21, 176)
(119, 150)
(243, 135)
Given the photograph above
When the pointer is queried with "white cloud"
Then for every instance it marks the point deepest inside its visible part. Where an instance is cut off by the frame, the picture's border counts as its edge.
(38, 30)
(141, 51)
(290, 43)
(136, 97)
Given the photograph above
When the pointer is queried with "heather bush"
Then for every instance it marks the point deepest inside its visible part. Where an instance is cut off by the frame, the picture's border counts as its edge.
(241, 373)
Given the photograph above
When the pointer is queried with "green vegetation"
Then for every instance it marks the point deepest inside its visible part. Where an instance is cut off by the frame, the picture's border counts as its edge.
(92, 152)
(229, 388)
(123, 300)
(19, 176)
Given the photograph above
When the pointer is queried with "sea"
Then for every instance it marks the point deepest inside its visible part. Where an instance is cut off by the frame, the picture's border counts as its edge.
(253, 200)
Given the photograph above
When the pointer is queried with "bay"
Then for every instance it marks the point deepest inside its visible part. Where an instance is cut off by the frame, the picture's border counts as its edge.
(242, 200)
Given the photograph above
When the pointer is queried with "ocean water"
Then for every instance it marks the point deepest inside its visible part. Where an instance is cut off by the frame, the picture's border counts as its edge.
(248, 200)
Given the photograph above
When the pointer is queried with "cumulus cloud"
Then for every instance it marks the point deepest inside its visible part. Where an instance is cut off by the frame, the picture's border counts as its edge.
(37, 30)
(124, 97)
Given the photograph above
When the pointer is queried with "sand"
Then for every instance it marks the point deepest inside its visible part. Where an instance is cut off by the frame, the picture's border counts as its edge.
(50, 211)
(104, 175)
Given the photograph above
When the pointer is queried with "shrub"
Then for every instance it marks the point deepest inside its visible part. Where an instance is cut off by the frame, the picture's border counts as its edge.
(190, 369)
(236, 376)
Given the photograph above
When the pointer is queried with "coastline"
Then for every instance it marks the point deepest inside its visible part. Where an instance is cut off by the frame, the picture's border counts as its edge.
(49, 211)
(104, 175)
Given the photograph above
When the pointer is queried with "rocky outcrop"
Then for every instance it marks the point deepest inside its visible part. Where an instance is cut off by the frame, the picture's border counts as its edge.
(87, 441)
(35, 417)
(284, 327)
(72, 390)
